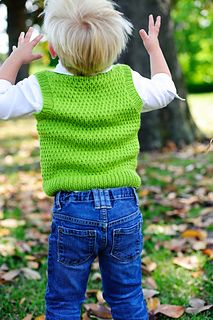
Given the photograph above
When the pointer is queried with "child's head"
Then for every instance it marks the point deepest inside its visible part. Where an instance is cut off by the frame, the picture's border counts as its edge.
(87, 35)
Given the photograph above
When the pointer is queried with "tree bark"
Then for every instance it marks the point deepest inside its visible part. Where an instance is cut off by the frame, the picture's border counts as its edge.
(174, 122)
(16, 19)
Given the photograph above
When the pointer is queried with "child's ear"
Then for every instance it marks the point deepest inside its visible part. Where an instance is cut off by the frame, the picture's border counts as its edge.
(52, 51)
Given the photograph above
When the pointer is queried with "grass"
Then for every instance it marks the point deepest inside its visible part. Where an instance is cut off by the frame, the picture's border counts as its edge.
(201, 106)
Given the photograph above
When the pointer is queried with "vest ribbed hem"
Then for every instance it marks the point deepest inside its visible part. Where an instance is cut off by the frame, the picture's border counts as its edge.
(69, 183)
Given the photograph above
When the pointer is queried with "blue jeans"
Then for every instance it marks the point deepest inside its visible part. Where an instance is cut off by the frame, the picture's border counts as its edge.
(86, 224)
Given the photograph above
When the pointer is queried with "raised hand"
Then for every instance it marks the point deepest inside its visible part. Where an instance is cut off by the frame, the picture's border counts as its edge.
(150, 40)
(24, 51)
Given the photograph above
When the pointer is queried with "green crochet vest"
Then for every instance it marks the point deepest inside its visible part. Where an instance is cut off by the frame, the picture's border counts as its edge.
(88, 130)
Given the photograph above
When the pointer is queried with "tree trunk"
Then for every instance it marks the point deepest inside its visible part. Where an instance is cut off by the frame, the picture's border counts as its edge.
(174, 122)
(16, 19)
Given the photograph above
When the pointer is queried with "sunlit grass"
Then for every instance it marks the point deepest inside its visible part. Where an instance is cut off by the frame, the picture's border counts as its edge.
(201, 107)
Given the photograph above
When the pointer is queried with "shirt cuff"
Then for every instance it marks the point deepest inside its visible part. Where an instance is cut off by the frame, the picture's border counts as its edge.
(4, 85)
(168, 82)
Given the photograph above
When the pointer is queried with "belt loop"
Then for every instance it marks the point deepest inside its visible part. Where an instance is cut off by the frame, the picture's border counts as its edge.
(96, 197)
(57, 200)
(107, 198)
(136, 196)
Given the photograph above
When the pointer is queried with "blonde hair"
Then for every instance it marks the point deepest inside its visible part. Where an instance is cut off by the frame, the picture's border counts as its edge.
(87, 35)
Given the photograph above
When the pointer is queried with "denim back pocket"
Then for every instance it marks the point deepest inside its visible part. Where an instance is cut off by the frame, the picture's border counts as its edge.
(127, 243)
(75, 246)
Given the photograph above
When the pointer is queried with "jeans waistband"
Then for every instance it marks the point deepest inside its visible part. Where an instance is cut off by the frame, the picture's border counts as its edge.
(101, 197)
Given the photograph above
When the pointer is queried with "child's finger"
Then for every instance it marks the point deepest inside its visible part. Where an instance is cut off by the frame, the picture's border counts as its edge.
(29, 34)
(37, 39)
(158, 23)
(37, 56)
(151, 23)
(21, 38)
(143, 34)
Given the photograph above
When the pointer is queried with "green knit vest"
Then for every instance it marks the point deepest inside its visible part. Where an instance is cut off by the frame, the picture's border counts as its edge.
(88, 130)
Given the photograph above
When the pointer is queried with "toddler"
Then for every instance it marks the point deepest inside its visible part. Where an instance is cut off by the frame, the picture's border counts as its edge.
(88, 117)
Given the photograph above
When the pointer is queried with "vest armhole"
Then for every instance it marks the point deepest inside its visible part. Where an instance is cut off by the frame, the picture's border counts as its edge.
(131, 87)
(42, 78)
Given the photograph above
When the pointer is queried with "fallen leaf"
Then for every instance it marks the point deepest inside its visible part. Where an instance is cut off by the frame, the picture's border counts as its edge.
(150, 265)
(175, 245)
(22, 300)
(33, 264)
(171, 311)
(31, 274)
(153, 304)
(96, 276)
(10, 275)
(28, 317)
(99, 296)
(85, 316)
(191, 233)
(199, 245)
(149, 293)
(208, 252)
(42, 317)
(197, 274)
(4, 232)
(196, 302)
(198, 310)
(150, 283)
(189, 263)
(98, 310)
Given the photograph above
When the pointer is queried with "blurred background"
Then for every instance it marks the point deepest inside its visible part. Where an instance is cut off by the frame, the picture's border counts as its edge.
(176, 168)
(187, 41)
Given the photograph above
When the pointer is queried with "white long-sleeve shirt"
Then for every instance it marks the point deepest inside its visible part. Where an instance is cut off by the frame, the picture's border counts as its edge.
(25, 97)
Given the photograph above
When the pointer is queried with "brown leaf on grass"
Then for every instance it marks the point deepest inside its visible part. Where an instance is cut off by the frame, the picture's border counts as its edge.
(199, 245)
(33, 264)
(175, 245)
(153, 304)
(10, 275)
(191, 233)
(150, 283)
(31, 274)
(4, 232)
(197, 306)
(149, 293)
(42, 317)
(95, 265)
(12, 223)
(28, 317)
(171, 311)
(208, 252)
(22, 300)
(189, 262)
(100, 297)
(4, 267)
(85, 316)
(196, 302)
(98, 310)
(169, 230)
(149, 264)
(91, 291)
(96, 276)
(197, 274)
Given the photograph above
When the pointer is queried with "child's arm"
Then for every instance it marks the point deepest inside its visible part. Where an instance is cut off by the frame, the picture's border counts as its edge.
(151, 43)
(21, 55)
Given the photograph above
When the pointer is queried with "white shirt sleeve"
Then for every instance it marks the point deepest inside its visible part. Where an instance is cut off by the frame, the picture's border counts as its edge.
(155, 93)
(25, 97)
(21, 99)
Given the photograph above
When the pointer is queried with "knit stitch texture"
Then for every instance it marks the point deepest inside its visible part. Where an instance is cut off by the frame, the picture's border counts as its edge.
(88, 130)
